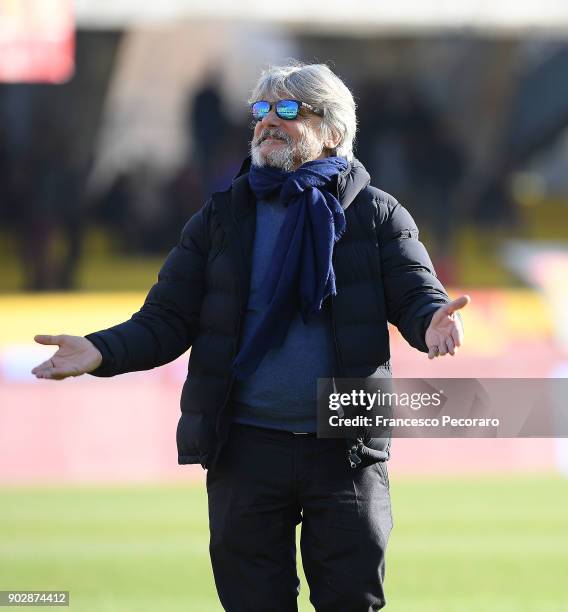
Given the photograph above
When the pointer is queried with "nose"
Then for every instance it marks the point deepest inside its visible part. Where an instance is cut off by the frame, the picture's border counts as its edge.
(270, 120)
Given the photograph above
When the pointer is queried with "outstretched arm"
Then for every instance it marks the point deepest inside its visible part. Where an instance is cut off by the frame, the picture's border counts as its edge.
(162, 330)
(412, 291)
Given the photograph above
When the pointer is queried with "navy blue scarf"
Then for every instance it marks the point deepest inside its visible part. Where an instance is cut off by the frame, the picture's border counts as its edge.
(301, 275)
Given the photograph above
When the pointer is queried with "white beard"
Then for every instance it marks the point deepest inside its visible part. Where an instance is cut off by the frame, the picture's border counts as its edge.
(286, 158)
(282, 158)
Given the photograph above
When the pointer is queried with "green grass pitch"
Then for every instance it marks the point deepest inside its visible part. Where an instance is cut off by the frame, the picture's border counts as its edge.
(497, 544)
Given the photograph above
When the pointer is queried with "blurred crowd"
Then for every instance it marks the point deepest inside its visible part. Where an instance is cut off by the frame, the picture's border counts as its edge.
(45, 205)
(409, 146)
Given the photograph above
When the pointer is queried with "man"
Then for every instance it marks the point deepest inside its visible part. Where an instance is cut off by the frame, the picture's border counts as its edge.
(288, 276)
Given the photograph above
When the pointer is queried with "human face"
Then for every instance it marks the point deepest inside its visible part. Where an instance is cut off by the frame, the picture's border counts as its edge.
(287, 144)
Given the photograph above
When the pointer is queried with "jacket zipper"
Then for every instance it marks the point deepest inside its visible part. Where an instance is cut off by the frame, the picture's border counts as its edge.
(232, 380)
(352, 457)
(336, 343)
(220, 442)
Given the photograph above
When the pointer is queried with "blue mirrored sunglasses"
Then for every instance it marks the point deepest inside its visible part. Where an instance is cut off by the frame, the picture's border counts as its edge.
(285, 109)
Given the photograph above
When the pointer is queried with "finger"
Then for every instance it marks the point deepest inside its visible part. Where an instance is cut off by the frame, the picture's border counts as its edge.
(450, 346)
(457, 336)
(42, 371)
(51, 373)
(46, 339)
(42, 366)
(43, 374)
(443, 349)
(457, 304)
(433, 352)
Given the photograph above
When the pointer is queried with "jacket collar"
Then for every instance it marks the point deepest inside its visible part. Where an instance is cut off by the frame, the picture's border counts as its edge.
(351, 182)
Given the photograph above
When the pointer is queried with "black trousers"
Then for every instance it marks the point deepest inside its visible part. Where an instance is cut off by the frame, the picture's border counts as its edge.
(265, 483)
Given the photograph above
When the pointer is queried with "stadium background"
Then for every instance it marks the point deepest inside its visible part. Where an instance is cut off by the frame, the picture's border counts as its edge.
(463, 116)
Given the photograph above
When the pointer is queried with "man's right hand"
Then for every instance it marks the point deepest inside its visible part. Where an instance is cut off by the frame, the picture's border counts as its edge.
(76, 356)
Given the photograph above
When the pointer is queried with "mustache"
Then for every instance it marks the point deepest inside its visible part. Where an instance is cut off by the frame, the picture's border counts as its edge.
(272, 133)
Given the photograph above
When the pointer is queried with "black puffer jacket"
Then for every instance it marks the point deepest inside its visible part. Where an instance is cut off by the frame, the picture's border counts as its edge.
(383, 273)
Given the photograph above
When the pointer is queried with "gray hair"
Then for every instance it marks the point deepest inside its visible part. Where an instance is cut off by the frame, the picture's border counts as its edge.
(317, 85)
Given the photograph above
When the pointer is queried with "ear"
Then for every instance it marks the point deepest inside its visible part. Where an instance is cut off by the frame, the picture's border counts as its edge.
(332, 141)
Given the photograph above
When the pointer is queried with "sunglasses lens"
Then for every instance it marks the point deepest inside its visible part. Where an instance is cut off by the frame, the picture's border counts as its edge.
(260, 109)
(287, 109)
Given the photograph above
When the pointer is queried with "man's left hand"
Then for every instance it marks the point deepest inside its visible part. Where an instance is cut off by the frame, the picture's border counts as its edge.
(445, 332)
